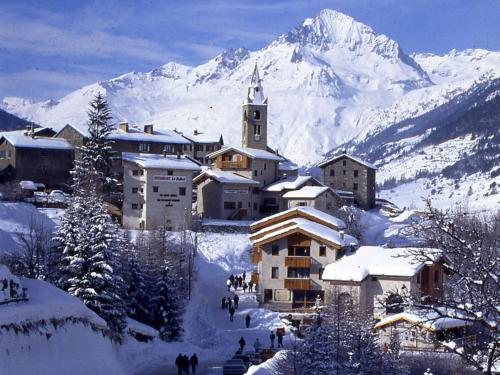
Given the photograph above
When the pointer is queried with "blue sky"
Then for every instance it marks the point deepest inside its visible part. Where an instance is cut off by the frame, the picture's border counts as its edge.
(49, 48)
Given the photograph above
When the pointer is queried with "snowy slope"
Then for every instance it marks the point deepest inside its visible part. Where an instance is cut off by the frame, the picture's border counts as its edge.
(329, 80)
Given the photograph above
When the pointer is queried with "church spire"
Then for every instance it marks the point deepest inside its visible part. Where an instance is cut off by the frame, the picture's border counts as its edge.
(255, 90)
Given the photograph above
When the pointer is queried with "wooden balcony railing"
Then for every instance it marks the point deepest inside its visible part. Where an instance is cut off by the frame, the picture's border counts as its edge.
(304, 284)
(255, 277)
(256, 255)
(298, 262)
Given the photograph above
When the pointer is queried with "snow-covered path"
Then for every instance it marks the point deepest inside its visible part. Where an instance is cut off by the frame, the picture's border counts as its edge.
(208, 331)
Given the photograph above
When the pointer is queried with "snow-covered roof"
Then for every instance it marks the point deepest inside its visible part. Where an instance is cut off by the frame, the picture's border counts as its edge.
(161, 162)
(19, 139)
(253, 153)
(313, 229)
(353, 158)
(376, 261)
(28, 185)
(287, 165)
(310, 213)
(306, 192)
(204, 137)
(225, 177)
(289, 183)
(430, 320)
(137, 135)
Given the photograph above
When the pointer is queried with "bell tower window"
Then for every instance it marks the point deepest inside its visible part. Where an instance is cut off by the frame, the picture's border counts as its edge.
(256, 115)
(256, 129)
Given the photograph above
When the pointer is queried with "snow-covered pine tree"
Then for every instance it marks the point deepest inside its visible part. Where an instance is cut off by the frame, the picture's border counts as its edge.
(137, 291)
(166, 307)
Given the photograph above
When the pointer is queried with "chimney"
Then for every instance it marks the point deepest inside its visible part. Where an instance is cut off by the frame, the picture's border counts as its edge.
(148, 129)
(124, 126)
(342, 235)
(196, 132)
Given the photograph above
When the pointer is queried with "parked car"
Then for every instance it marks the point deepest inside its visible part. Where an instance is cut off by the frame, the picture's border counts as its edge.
(57, 196)
(41, 197)
(234, 367)
(246, 359)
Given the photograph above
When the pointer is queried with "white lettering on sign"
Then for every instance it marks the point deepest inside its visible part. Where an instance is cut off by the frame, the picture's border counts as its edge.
(169, 178)
(235, 191)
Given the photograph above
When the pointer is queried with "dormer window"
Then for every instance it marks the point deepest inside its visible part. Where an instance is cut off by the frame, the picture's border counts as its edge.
(256, 115)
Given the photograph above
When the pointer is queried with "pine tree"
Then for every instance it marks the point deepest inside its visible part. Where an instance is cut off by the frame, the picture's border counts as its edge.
(137, 291)
(166, 307)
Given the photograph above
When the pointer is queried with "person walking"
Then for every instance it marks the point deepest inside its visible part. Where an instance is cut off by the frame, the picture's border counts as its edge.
(245, 286)
(194, 363)
(229, 302)
(250, 286)
(235, 285)
(223, 304)
(178, 364)
(257, 345)
(280, 338)
(244, 275)
(185, 364)
(247, 320)
(228, 283)
(236, 299)
(231, 314)
(240, 281)
(231, 278)
(242, 343)
(272, 336)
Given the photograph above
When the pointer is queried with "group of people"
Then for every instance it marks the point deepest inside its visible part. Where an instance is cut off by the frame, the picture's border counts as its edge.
(257, 345)
(183, 363)
(231, 304)
(239, 282)
(279, 334)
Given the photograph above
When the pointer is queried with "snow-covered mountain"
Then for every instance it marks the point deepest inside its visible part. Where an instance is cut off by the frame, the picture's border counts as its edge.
(329, 81)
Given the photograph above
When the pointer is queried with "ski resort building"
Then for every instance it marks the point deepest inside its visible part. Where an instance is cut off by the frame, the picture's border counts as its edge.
(24, 155)
(157, 191)
(291, 250)
(348, 173)
(320, 197)
(371, 275)
(203, 144)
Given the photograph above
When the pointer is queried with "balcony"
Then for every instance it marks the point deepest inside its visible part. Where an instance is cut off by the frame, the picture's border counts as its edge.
(304, 284)
(300, 261)
(255, 277)
(256, 255)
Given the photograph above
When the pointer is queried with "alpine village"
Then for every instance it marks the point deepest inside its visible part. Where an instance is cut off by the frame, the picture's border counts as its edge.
(141, 248)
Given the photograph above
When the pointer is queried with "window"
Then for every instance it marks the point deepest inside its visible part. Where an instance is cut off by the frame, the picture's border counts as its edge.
(169, 149)
(144, 147)
(332, 172)
(355, 173)
(135, 172)
(418, 278)
(170, 172)
(240, 204)
(345, 299)
(275, 273)
(265, 166)
(394, 304)
(302, 203)
(155, 189)
(355, 186)
(298, 272)
(229, 205)
(135, 190)
(256, 129)
(436, 276)
(256, 114)
(344, 163)
(298, 251)
(198, 147)
(255, 173)
(44, 153)
(255, 206)
(320, 273)
(268, 295)
(2, 154)
(322, 251)
(343, 172)
(134, 206)
(275, 250)
(9, 154)
(182, 191)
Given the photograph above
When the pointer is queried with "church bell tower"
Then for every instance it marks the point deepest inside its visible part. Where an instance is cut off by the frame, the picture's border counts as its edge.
(254, 134)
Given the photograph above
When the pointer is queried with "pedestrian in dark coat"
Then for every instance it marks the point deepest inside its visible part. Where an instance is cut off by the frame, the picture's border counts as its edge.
(223, 305)
(235, 285)
(245, 286)
(236, 299)
(244, 275)
(231, 278)
(178, 364)
(250, 286)
(280, 339)
(186, 364)
(240, 281)
(247, 320)
(229, 302)
(231, 314)
(242, 343)
(194, 363)
(272, 336)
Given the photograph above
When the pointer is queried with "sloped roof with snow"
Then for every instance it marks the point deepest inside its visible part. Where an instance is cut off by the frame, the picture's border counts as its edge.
(289, 183)
(161, 162)
(287, 165)
(307, 227)
(253, 153)
(353, 158)
(224, 177)
(430, 320)
(306, 192)
(204, 137)
(19, 139)
(375, 261)
(310, 213)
